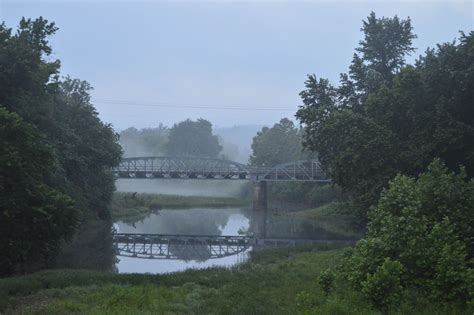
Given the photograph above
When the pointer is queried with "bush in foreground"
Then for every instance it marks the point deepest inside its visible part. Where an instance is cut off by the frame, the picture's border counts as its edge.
(419, 239)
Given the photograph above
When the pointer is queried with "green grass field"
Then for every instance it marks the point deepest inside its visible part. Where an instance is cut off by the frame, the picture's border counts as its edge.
(277, 281)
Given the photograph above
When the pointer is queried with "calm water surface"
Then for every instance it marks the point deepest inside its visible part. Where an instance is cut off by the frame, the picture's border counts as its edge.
(212, 221)
(195, 221)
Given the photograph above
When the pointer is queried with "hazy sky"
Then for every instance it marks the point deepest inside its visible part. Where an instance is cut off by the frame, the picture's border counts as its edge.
(175, 55)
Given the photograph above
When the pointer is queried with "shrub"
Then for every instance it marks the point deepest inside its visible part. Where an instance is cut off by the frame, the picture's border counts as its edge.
(383, 288)
(326, 281)
(431, 240)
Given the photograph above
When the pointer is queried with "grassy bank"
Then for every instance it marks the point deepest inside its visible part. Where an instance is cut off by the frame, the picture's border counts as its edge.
(128, 206)
(278, 281)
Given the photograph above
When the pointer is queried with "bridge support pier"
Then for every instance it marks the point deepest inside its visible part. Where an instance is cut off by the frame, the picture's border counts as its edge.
(259, 212)
(260, 195)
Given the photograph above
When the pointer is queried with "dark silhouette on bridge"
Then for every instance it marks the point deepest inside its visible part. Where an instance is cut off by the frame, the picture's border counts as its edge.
(207, 168)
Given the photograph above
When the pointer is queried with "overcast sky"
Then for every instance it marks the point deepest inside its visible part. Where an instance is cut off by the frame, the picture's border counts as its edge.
(165, 61)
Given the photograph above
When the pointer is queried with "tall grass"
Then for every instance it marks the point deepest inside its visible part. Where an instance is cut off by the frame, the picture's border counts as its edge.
(277, 281)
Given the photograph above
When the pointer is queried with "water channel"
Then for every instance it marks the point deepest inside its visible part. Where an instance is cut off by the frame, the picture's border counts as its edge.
(190, 221)
(209, 221)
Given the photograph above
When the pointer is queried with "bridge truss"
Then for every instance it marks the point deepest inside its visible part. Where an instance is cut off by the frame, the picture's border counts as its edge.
(199, 247)
(207, 168)
(188, 247)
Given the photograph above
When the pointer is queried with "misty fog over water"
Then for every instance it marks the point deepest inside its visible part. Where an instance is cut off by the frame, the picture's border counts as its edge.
(205, 187)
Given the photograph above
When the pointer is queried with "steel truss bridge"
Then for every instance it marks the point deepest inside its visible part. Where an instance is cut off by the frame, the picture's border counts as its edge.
(207, 168)
(197, 247)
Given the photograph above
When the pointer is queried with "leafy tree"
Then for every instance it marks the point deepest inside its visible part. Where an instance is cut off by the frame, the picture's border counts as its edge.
(388, 118)
(278, 144)
(87, 147)
(193, 138)
(326, 281)
(383, 288)
(381, 54)
(144, 142)
(34, 218)
(424, 226)
(283, 143)
(87, 150)
(28, 77)
(82, 148)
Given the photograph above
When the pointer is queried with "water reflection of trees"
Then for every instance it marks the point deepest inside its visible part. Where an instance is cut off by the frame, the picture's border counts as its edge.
(196, 221)
(92, 248)
(285, 226)
(202, 221)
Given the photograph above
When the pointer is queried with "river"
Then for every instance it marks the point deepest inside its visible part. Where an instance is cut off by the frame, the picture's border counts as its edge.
(189, 221)
(210, 221)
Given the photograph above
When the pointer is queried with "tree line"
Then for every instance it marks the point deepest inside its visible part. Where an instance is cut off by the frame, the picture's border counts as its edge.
(55, 153)
(387, 117)
(398, 138)
(186, 138)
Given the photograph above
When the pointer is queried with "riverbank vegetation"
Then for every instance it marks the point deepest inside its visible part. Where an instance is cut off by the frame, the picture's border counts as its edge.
(130, 206)
(283, 281)
(335, 217)
(397, 140)
(387, 117)
(55, 155)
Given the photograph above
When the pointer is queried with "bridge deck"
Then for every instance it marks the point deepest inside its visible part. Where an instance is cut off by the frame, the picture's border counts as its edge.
(206, 168)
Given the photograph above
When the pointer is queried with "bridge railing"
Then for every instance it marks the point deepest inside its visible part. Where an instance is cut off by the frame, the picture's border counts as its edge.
(204, 168)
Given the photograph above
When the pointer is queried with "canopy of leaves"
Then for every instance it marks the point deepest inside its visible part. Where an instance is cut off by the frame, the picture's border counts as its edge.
(34, 218)
(276, 145)
(386, 117)
(426, 226)
(193, 138)
(61, 154)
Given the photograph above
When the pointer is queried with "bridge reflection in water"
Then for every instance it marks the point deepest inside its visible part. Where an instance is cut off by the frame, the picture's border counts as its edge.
(197, 247)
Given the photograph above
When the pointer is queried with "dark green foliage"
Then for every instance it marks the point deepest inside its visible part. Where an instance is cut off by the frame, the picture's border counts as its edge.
(383, 288)
(381, 54)
(388, 118)
(280, 144)
(34, 218)
(193, 138)
(27, 79)
(276, 145)
(326, 281)
(87, 147)
(313, 194)
(276, 281)
(75, 150)
(269, 283)
(425, 225)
